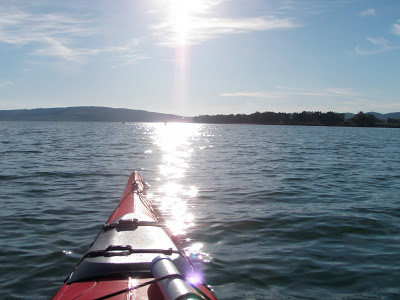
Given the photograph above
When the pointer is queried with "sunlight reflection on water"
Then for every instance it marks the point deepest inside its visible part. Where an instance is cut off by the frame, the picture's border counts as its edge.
(172, 196)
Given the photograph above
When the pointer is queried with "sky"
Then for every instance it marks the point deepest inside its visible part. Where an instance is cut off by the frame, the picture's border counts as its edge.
(196, 57)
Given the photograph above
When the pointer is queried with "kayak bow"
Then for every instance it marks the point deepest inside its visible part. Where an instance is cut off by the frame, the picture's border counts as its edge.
(134, 257)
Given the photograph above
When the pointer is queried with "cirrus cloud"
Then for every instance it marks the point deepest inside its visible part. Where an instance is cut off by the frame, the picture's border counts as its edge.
(375, 46)
(283, 92)
(202, 24)
(368, 12)
(57, 35)
(396, 28)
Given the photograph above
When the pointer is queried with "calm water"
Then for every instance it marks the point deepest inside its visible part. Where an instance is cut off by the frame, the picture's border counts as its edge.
(272, 212)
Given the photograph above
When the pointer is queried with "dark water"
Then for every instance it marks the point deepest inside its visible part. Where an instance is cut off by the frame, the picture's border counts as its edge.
(273, 212)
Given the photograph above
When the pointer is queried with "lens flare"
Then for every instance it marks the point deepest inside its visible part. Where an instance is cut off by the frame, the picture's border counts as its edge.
(195, 278)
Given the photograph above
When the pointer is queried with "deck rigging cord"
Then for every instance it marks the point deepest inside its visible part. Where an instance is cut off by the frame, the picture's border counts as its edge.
(126, 250)
(140, 285)
(151, 282)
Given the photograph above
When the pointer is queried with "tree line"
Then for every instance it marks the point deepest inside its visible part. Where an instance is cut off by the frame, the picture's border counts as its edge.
(312, 118)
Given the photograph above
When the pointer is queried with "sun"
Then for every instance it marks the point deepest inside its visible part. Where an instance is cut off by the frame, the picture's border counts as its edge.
(183, 15)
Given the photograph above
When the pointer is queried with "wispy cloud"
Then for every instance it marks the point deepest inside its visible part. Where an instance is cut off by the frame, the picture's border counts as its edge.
(264, 94)
(380, 42)
(345, 92)
(368, 12)
(20, 28)
(55, 35)
(196, 25)
(307, 7)
(284, 92)
(57, 48)
(206, 29)
(375, 46)
(6, 83)
(344, 99)
(396, 28)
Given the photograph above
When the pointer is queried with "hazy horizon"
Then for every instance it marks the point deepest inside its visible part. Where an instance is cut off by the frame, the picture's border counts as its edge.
(191, 116)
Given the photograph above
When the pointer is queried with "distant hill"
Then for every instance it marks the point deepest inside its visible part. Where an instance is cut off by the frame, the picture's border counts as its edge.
(88, 114)
(394, 115)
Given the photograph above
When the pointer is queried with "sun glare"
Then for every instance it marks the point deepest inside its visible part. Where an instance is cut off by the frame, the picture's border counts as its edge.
(182, 16)
(183, 20)
(175, 142)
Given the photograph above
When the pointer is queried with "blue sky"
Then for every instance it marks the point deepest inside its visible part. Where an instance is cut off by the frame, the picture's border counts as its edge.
(193, 57)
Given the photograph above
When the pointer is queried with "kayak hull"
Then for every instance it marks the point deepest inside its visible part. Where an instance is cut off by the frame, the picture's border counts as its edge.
(119, 259)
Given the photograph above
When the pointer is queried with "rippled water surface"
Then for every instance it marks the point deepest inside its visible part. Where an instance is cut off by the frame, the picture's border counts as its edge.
(267, 212)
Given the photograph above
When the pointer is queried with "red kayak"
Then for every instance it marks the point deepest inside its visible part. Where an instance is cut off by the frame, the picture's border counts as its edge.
(134, 257)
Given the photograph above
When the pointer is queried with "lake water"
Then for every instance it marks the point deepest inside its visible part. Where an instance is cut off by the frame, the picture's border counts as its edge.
(267, 212)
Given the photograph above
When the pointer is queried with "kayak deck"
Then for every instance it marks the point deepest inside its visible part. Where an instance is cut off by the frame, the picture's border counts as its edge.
(119, 259)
